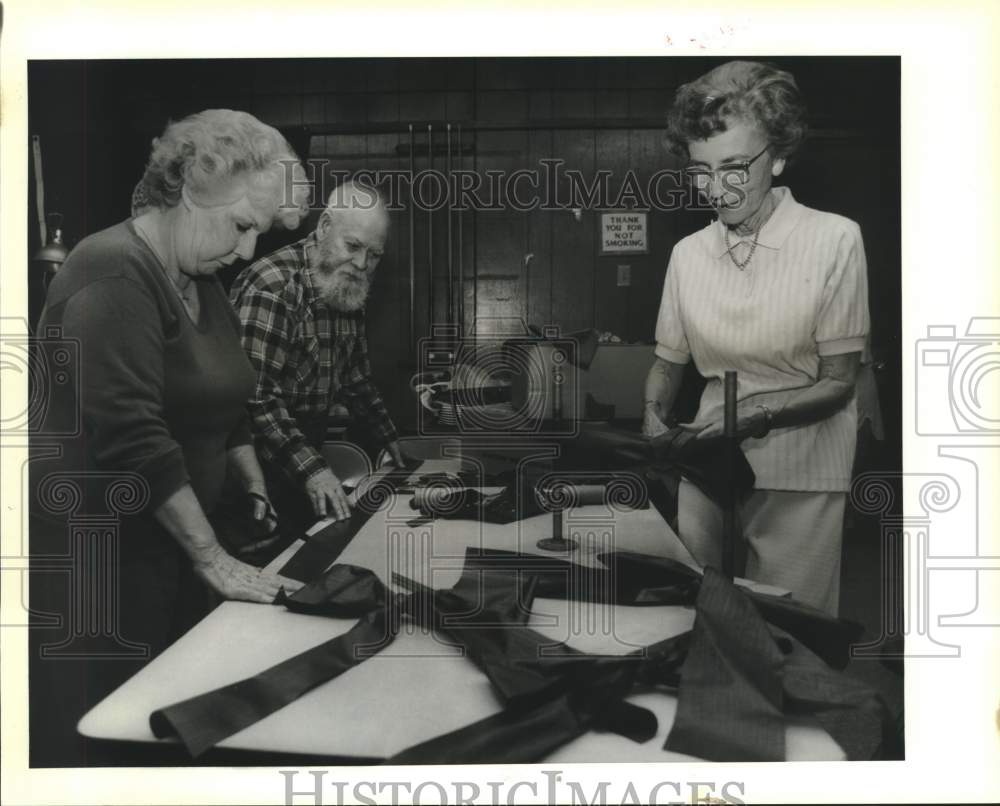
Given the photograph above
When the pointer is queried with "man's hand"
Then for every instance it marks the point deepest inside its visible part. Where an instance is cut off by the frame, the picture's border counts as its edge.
(233, 579)
(327, 495)
(395, 454)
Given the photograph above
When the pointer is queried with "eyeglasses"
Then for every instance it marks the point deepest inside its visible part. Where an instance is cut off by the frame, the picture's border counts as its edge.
(733, 173)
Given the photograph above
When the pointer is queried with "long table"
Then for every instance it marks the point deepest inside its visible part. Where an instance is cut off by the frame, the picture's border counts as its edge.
(419, 686)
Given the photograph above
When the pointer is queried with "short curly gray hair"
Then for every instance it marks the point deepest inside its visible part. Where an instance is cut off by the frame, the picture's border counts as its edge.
(756, 92)
(218, 144)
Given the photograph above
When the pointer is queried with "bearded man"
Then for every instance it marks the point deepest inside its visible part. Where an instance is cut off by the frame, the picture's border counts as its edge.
(302, 315)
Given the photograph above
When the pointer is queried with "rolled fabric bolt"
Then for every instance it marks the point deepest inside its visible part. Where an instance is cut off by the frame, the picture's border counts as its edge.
(564, 495)
(432, 496)
(587, 494)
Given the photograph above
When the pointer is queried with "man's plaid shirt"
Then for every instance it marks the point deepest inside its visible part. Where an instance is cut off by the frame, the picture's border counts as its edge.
(307, 357)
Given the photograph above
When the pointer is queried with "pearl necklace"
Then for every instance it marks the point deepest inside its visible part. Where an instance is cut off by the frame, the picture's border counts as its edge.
(732, 257)
(753, 246)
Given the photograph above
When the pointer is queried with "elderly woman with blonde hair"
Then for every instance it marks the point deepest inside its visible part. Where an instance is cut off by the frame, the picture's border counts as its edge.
(777, 292)
(163, 385)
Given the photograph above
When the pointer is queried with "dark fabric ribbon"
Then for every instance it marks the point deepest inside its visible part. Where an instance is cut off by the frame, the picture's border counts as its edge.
(716, 466)
(324, 547)
(743, 675)
(203, 721)
(737, 677)
(634, 579)
(729, 705)
(583, 693)
(516, 500)
(449, 498)
(239, 532)
(484, 613)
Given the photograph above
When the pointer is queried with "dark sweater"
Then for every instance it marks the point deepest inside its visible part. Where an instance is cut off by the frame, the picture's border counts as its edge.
(158, 395)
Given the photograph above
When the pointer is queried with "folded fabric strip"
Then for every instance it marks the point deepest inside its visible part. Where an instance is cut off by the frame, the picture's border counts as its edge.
(324, 547)
(737, 677)
(515, 501)
(345, 591)
(856, 716)
(729, 707)
(828, 636)
(203, 721)
(552, 693)
(716, 466)
(527, 732)
(518, 735)
(741, 675)
(670, 583)
(518, 498)
(634, 579)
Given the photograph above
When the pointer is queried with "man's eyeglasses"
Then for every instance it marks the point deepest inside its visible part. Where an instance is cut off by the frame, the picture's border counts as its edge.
(733, 173)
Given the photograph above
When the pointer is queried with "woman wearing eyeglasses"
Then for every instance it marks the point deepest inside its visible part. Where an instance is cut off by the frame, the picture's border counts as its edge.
(778, 292)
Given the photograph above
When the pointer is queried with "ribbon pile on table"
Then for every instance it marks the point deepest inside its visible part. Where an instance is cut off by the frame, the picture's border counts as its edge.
(749, 662)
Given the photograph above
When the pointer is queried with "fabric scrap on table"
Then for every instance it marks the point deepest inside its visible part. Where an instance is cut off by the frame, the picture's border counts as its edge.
(857, 717)
(717, 467)
(742, 675)
(736, 676)
(514, 501)
(637, 580)
(729, 706)
(655, 580)
(551, 692)
(320, 550)
(203, 721)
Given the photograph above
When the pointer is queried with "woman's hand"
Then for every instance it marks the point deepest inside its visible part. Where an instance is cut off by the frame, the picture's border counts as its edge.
(749, 423)
(652, 420)
(262, 507)
(267, 519)
(233, 579)
(662, 384)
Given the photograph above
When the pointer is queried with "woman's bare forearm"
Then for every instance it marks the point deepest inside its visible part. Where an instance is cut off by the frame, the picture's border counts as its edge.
(831, 392)
(184, 519)
(663, 382)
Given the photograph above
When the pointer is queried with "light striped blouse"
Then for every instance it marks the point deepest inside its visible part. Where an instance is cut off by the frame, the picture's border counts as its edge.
(803, 295)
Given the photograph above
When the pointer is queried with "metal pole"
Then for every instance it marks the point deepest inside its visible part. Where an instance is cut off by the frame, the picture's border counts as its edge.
(729, 526)
(36, 150)
(430, 236)
(413, 256)
(461, 250)
(451, 279)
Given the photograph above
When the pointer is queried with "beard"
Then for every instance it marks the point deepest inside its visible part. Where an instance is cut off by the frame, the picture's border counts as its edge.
(343, 293)
(339, 288)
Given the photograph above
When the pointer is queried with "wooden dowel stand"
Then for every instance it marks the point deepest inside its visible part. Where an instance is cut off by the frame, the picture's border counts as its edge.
(730, 523)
